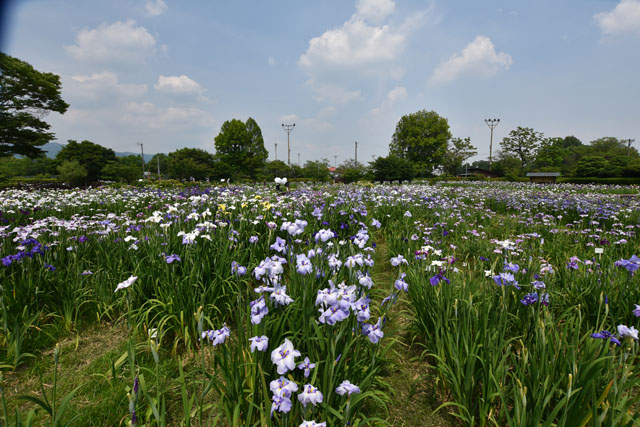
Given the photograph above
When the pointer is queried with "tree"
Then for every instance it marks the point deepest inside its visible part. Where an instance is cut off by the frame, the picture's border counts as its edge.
(241, 146)
(592, 166)
(392, 168)
(318, 170)
(152, 165)
(26, 97)
(351, 171)
(73, 172)
(188, 163)
(458, 150)
(90, 155)
(421, 138)
(522, 143)
(124, 169)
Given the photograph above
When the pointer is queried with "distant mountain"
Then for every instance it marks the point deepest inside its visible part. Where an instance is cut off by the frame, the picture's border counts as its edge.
(52, 148)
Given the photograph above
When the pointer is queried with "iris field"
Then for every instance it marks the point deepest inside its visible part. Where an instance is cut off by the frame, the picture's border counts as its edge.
(242, 305)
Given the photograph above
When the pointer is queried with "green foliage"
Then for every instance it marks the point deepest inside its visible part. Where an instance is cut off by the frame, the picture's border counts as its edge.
(458, 150)
(421, 138)
(26, 167)
(241, 146)
(124, 169)
(522, 143)
(592, 166)
(152, 165)
(188, 163)
(73, 172)
(93, 157)
(351, 171)
(26, 96)
(317, 170)
(392, 168)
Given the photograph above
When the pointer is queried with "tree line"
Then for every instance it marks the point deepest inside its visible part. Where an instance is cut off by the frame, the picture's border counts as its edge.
(422, 146)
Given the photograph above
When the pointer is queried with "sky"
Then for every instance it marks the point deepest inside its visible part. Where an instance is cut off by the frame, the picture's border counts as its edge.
(169, 73)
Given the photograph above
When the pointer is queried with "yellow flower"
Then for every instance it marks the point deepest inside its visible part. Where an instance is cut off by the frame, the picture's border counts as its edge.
(223, 208)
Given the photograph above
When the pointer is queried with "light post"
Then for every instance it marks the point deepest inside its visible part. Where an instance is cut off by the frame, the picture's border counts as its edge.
(288, 129)
(492, 123)
(276, 144)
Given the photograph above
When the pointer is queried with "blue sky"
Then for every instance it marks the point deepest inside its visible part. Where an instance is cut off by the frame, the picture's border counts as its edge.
(169, 73)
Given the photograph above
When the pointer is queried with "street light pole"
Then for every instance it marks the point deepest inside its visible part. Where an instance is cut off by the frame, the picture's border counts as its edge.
(492, 123)
(141, 156)
(276, 144)
(288, 129)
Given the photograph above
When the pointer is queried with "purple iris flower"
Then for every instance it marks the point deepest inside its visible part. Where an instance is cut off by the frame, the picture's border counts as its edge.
(171, 258)
(279, 245)
(347, 388)
(631, 265)
(636, 311)
(505, 279)
(218, 336)
(238, 269)
(435, 280)
(373, 332)
(573, 263)
(514, 268)
(400, 284)
(307, 366)
(281, 403)
(529, 299)
(49, 267)
(606, 335)
(259, 343)
(259, 309)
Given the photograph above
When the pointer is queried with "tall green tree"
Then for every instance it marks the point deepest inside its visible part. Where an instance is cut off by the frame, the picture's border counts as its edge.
(458, 150)
(93, 157)
(26, 97)
(188, 163)
(522, 143)
(241, 146)
(421, 138)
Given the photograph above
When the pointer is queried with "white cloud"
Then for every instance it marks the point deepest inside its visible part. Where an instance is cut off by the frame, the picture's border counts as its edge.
(625, 18)
(288, 118)
(155, 7)
(332, 93)
(375, 10)
(355, 44)
(178, 85)
(271, 60)
(479, 58)
(394, 95)
(149, 115)
(103, 86)
(121, 42)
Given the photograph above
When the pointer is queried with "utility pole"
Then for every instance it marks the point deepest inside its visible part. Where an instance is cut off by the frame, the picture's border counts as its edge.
(158, 159)
(298, 159)
(141, 156)
(629, 142)
(276, 144)
(356, 152)
(335, 160)
(492, 123)
(288, 129)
